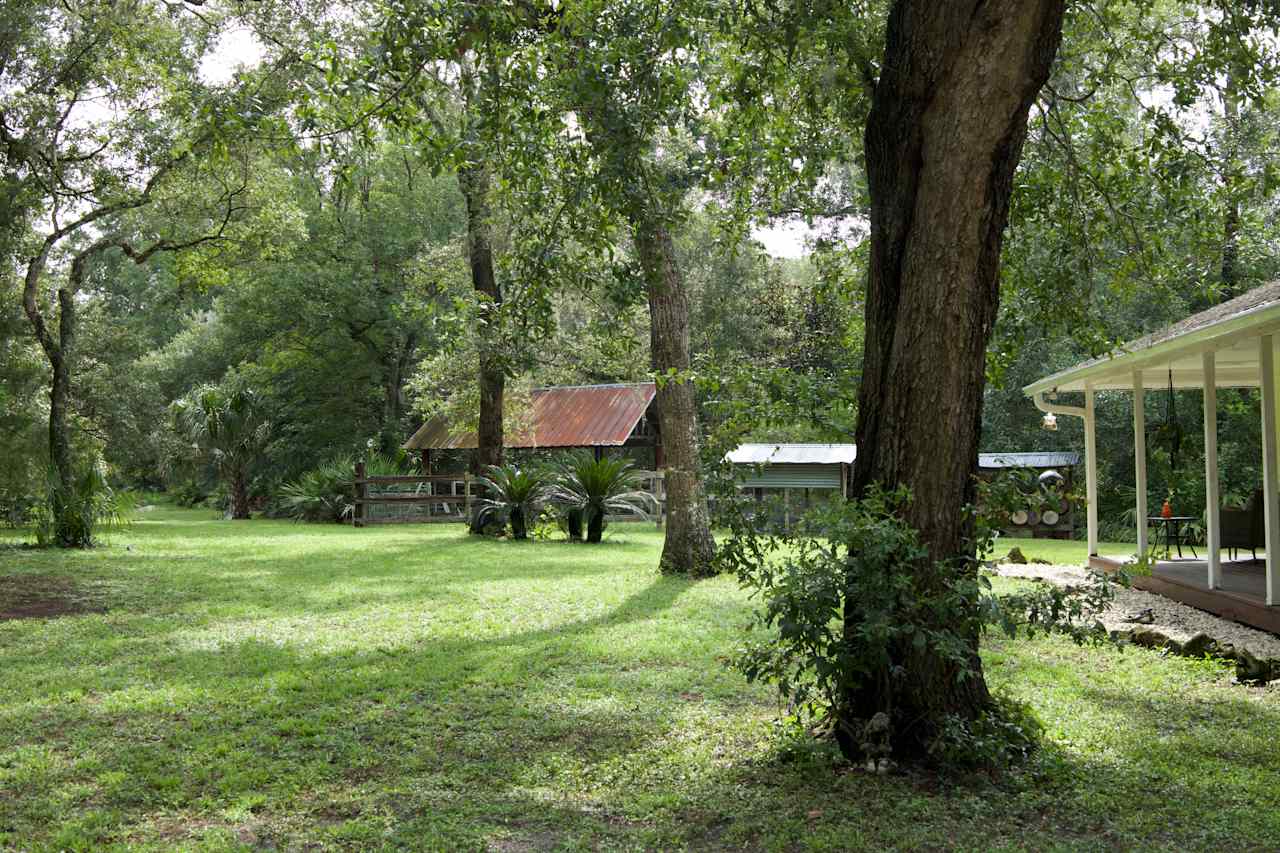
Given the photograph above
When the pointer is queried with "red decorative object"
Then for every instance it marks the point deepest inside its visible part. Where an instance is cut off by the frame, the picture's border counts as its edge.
(1166, 511)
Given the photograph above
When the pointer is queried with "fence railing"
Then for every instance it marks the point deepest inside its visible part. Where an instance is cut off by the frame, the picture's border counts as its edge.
(409, 498)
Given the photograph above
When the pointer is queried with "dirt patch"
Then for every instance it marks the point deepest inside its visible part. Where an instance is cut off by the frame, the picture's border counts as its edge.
(46, 597)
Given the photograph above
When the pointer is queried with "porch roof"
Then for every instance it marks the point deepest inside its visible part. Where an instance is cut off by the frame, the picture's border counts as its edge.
(1230, 330)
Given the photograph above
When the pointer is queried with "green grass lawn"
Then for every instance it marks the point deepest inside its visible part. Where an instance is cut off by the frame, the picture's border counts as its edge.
(1062, 552)
(251, 685)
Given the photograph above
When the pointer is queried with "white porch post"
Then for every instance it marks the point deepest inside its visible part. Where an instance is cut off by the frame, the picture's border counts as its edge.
(1140, 459)
(1213, 537)
(1270, 498)
(1091, 469)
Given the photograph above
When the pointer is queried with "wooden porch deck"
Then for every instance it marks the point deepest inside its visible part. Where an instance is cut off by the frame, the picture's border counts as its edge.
(1241, 597)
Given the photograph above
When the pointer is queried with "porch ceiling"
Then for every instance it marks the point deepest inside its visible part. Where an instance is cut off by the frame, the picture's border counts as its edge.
(1231, 330)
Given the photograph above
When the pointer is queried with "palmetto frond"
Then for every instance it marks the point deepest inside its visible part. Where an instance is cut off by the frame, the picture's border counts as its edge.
(606, 486)
(514, 491)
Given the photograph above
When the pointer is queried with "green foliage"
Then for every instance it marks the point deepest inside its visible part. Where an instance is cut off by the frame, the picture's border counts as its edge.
(1003, 735)
(1046, 608)
(327, 493)
(230, 426)
(512, 494)
(597, 488)
(189, 492)
(843, 606)
(76, 511)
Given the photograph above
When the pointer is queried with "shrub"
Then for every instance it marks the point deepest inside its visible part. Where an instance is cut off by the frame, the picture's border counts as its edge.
(16, 509)
(76, 510)
(189, 493)
(327, 493)
(599, 487)
(840, 606)
(512, 493)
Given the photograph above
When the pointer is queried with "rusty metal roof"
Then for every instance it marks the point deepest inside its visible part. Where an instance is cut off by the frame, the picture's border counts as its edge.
(567, 416)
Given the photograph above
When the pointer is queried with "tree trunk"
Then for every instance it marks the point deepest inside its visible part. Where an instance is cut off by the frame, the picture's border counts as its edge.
(68, 531)
(945, 132)
(59, 353)
(60, 388)
(595, 525)
(474, 182)
(239, 496)
(395, 366)
(1232, 180)
(688, 547)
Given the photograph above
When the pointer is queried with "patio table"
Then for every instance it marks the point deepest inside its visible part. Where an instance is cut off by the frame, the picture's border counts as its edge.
(1172, 527)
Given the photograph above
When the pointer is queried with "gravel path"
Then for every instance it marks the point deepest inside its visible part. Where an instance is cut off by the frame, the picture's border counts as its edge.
(1176, 621)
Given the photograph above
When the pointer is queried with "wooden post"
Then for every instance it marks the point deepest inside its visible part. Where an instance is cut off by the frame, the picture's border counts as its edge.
(1091, 469)
(466, 491)
(1270, 477)
(1213, 536)
(362, 492)
(1140, 458)
(786, 509)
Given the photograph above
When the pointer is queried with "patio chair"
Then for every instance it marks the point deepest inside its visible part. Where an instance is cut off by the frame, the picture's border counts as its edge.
(1243, 528)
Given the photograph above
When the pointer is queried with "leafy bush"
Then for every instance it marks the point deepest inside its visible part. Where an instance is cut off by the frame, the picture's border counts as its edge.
(327, 493)
(75, 511)
(512, 493)
(189, 493)
(16, 509)
(843, 609)
(599, 487)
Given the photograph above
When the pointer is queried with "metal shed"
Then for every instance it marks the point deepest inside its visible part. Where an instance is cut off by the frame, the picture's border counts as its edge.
(795, 466)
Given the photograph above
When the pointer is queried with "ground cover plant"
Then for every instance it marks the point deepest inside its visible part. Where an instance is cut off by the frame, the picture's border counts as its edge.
(269, 684)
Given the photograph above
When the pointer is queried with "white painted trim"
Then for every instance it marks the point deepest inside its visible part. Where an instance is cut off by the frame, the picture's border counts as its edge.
(1270, 480)
(1045, 406)
(1091, 469)
(1261, 320)
(1140, 459)
(1213, 535)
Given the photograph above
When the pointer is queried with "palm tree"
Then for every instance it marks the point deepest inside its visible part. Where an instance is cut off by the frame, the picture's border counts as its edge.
(230, 428)
(599, 487)
(513, 491)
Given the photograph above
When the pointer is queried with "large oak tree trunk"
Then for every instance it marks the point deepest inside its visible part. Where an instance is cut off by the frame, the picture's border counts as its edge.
(474, 181)
(688, 547)
(59, 351)
(945, 132)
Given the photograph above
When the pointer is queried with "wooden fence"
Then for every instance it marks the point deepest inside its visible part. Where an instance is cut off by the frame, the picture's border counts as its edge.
(426, 498)
(412, 498)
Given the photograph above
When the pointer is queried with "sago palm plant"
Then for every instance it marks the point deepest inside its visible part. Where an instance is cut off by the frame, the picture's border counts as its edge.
(513, 491)
(600, 487)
